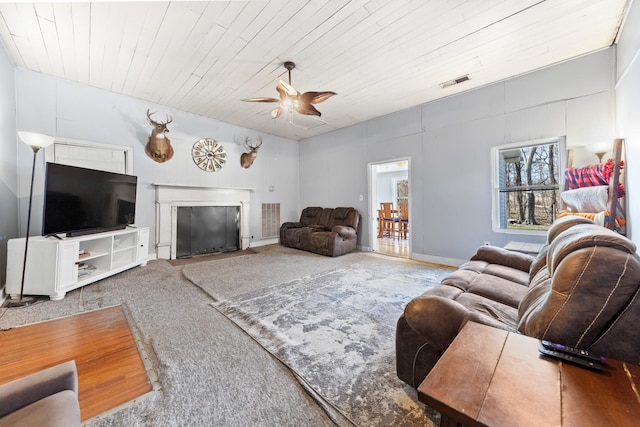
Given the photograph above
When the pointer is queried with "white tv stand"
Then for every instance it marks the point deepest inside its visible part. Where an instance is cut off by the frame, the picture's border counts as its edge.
(57, 266)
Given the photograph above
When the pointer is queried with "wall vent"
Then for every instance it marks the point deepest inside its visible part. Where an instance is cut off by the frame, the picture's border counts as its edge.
(270, 220)
(455, 81)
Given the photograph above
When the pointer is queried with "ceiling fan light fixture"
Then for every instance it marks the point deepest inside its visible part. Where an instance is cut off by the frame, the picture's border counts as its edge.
(455, 81)
(290, 104)
(290, 100)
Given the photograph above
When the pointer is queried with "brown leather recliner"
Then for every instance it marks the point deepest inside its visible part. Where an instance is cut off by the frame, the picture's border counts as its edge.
(580, 291)
(325, 231)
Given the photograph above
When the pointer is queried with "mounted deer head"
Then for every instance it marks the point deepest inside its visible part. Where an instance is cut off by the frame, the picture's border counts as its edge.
(159, 147)
(246, 159)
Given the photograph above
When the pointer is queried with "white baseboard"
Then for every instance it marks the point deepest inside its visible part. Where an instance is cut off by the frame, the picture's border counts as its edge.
(453, 262)
(264, 242)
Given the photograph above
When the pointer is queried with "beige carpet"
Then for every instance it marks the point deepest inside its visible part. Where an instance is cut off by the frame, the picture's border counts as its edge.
(207, 371)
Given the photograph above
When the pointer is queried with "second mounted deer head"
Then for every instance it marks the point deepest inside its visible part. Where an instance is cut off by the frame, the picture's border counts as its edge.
(246, 159)
(159, 147)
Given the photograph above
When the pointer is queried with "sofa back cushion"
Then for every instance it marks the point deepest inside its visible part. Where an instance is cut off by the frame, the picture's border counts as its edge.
(310, 215)
(585, 236)
(348, 217)
(505, 257)
(325, 218)
(586, 296)
(563, 224)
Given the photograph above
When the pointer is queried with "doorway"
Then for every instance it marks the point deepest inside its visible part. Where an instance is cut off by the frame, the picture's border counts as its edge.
(390, 184)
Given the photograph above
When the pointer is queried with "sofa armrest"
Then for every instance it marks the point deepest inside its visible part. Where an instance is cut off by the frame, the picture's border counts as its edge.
(436, 319)
(286, 225)
(344, 232)
(32, 388)
(501, 256)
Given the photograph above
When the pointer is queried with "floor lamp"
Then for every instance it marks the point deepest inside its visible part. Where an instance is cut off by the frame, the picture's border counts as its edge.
(36, 141)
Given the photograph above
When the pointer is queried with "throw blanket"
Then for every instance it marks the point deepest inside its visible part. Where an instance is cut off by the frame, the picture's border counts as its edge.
(592, 175)
(600, 218)
(588, 199)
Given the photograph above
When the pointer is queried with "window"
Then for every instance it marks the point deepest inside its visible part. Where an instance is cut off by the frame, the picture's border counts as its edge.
(91, 155)
(526, 185)
(401, 191)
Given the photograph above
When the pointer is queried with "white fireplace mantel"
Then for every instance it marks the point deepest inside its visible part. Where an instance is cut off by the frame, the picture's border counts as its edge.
(170, 196)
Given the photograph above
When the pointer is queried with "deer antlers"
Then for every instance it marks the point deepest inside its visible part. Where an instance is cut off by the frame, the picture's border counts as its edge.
(155, 124)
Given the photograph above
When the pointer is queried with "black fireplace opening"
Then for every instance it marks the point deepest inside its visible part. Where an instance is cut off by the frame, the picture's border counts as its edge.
(206, 230)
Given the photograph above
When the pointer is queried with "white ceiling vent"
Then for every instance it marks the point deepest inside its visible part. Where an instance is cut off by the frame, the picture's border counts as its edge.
(455, 81)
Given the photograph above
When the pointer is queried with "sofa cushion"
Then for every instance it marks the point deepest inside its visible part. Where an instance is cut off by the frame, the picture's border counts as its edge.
(489, 312)
(348, 217)
(585, 236)
(496, 282)
(509, 274)
(58, 410)
(325, 218)
(505, 257)
(310, 215)
(563, 224)
(498, 289)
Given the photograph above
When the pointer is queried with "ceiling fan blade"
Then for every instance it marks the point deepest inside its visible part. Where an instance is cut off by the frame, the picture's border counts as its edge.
(316, 97)
(261, 99)
(276, 112)
(286, 87)
(308, 110)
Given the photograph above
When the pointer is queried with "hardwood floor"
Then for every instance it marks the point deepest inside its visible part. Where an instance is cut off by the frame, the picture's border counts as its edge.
(393, 246)
(110, 370)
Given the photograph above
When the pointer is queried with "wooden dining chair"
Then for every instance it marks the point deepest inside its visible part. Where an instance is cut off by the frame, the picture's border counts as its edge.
(389, 219)
(403, 219)
(380, 224)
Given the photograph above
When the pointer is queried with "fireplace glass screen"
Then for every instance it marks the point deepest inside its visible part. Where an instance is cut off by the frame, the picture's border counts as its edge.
(207, 229)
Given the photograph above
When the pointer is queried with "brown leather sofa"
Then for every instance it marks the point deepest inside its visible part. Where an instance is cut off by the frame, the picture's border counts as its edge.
(325, 231)
(582, 290)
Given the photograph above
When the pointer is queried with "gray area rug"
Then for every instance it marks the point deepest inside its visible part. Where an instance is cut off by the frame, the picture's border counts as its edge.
(205, 371)
(336, 331)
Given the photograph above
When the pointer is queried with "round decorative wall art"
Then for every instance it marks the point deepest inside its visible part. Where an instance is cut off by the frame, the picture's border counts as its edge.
(209, 155)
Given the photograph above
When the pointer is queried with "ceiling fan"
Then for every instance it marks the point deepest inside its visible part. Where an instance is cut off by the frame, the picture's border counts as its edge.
(292, 100)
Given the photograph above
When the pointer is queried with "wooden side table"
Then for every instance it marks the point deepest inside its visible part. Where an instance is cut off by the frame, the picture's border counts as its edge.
(491, 377)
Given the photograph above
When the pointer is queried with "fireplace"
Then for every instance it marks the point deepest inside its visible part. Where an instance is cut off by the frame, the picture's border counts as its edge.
(207, 220)
(207, 229)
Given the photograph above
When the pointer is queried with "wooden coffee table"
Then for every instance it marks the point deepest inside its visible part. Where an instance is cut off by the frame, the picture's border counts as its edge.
(491, 377)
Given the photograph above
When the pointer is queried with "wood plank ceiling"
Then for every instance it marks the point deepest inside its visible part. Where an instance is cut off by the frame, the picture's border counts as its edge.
(380, 56)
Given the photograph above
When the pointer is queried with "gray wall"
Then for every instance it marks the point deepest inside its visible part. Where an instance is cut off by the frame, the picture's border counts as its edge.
(449, 144)
(56, 107)
(628, 112)
(8, 174)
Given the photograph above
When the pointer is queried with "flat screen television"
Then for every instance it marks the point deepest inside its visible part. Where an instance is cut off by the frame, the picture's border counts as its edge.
(80, 201)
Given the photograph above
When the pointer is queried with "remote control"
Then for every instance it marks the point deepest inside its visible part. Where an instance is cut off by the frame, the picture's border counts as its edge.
(584, 354)
(596, 366)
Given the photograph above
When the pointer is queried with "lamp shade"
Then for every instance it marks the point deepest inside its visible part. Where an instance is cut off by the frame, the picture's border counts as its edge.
(36, 139)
